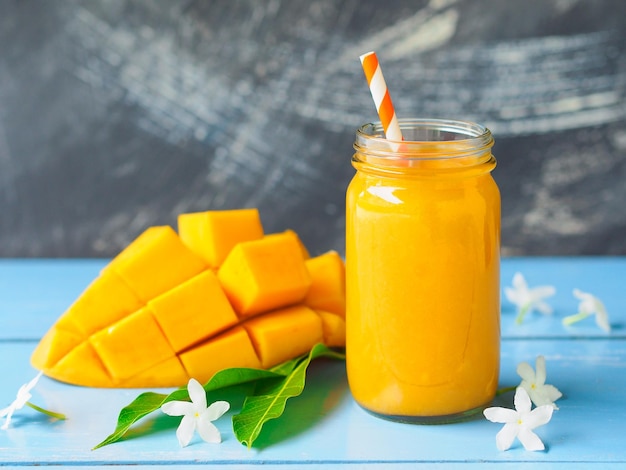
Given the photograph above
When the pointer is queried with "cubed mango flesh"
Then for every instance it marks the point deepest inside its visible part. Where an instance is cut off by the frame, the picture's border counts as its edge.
(141, 340)
(106, 300)
(297, 239)
(212, 234)
(159, 313)
(264, 275)
(168, 373)
(334, 328)
(55, 344)
(328, 283)
(156, 262)
(283, 334)
(230, 349)
(195, 310)
(81, 366)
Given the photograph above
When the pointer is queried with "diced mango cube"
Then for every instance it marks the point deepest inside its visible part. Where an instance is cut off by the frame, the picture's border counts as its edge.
(334, 328)
(81, 366)
(213, 234)
(193, 311)
(298, 240)
(230, 349)
(107, 299)
(55, 344)
(220, 295)
(264, 274)
(328, 286)
(156, 261)
(284, 334)
(131, 345)
(169, 373)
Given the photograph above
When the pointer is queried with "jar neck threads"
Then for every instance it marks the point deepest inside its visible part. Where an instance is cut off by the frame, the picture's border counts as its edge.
(430, 144)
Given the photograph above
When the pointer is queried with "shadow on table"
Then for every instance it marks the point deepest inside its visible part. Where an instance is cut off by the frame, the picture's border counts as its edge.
(326, 386)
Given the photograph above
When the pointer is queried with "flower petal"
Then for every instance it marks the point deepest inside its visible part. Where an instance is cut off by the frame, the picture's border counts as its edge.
(197, 394)
(522, 400)
(538, 417)
(216, 410)
(512, 295)
(177, 408)
(534, 392)
(506, 436)
(33, 382)
(530, 440)
(208, 432)
(6, 411)
(602, 320)
(519, 282)
(22, 398)
(547, 395)
(5, 426)
(8, 415)
(526, 372)
(540, 370)
(497, 414)
(185, 430)
(541, 292)
(580, 295)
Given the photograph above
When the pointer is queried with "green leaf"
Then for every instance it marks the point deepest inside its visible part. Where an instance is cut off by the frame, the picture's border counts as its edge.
(141, 406)
(225, 381)
(148, 402)
(270, 399)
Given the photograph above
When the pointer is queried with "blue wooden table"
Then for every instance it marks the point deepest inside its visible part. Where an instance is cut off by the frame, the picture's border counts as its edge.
(324, 428)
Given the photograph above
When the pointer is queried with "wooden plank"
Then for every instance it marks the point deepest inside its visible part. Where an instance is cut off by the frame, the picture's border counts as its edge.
(35, 292)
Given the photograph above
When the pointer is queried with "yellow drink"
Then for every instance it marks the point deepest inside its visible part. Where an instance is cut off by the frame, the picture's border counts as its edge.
(422, 272)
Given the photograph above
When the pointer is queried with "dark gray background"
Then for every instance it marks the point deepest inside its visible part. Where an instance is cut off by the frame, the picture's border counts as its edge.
(117, 115)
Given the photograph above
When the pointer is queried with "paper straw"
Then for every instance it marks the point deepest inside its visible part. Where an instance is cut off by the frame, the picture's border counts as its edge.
(382, 99)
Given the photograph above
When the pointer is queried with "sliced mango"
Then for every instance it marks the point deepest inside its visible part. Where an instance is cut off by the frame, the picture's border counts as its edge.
(167, 309)
(264, 274)
(328, 286)
(213, 234)
(284, 334)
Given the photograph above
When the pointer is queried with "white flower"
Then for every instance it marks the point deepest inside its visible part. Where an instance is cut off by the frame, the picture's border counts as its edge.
(527, 299)
(196, 415)
(519, 422)
(23, 395)
(589, 305)
(534, 382)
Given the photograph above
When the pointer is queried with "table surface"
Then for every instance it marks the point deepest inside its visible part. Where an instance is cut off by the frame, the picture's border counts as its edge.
(324, 428)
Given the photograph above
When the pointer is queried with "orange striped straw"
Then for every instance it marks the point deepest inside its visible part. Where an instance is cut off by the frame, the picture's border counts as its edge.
(382, 99)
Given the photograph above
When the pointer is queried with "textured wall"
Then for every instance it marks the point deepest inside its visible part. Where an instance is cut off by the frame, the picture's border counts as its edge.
(116, 115)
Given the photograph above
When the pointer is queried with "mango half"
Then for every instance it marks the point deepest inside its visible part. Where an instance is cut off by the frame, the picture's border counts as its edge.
(219, 293)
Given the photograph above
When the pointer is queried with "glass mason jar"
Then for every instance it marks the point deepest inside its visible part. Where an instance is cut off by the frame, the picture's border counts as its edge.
(423, 271)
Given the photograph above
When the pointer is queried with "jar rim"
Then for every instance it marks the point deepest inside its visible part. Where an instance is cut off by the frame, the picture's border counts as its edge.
(450, 138)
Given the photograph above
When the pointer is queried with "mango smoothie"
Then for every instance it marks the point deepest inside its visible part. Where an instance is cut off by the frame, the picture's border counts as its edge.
(422, 272)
